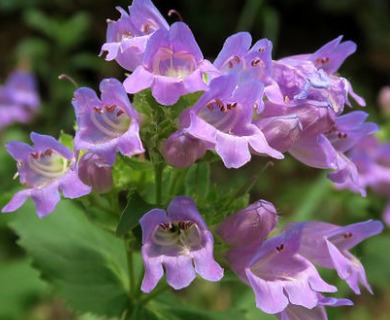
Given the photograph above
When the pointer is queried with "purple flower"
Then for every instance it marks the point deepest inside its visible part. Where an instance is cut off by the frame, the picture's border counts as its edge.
(347, 131)
(311, 79)
(127, 37)
(249, 225)
(281, 132)
(18, 98)
(172, 66)
(108, 125)
(295, 312)
(94, 172)
(328, 246)
(180, 243)
(305, 138)
(181, 150)
(280, 276)
(250, 63)
(372, 161)
(45, 169)
(222, 118)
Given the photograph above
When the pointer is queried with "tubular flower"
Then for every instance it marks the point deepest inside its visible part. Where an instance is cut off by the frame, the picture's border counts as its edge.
(172, 66)
(311, 79)
(295, 312)
(18, 98)
(279, 275)
(181, 150)
(347, 131)
(222, 118)
(328, 246)
(94, 172)
(127, 37)
(45, 169)
(108, 125)
(179, 241)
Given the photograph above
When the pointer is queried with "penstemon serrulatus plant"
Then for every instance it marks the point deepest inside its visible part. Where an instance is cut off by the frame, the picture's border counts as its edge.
(139, 169)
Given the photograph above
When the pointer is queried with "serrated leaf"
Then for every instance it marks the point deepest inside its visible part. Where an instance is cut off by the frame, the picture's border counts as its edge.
(135, 209)
(20, 283)
(85, 265)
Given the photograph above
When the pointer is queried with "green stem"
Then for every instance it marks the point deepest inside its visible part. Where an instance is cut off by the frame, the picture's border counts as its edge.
(130, 267)
(158, 171)
(164, 287)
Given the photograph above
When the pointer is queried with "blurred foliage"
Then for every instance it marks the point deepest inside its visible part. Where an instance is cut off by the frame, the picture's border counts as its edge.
(54, 37)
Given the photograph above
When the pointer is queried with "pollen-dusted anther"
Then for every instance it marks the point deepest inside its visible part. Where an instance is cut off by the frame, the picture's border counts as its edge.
(323, 60)
(185, 225)
(110, 109)
(165, 226)
(146, 28)
(342, 135)
(347, 235)
(231, 106)
(286, 99)
(280, 248)
(233, 60)
(210, 107)
(98, 110)
(48, 152)
(35, 155)
(256, 62)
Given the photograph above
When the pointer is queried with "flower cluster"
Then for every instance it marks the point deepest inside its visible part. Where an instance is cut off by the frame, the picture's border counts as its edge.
(248, 104)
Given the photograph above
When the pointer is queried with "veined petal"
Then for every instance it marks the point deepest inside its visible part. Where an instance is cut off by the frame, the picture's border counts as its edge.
(179, 271)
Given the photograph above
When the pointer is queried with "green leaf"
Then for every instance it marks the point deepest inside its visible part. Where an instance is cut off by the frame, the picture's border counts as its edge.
(376, 260)
(85, 264)
(135, 209)
(20, 285)
(197, 181)
(66, 140)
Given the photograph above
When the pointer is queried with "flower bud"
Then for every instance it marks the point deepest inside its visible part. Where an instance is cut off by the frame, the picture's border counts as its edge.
(93, 171)
(281, 132)
(384, 99)
(181, 150)
(249, 225)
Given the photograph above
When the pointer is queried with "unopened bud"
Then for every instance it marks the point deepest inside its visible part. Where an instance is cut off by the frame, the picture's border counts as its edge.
(93, 171)
(181, 150)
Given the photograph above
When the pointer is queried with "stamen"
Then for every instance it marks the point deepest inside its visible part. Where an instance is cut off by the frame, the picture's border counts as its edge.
(110, 109)
(47, 170)
(165, 226)
(185, 225)
(262, 49)
(280, 248)
(210, 107)
(342, 135)
(257, 62)
(68, 77)
(347, 235)
(176, 13)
